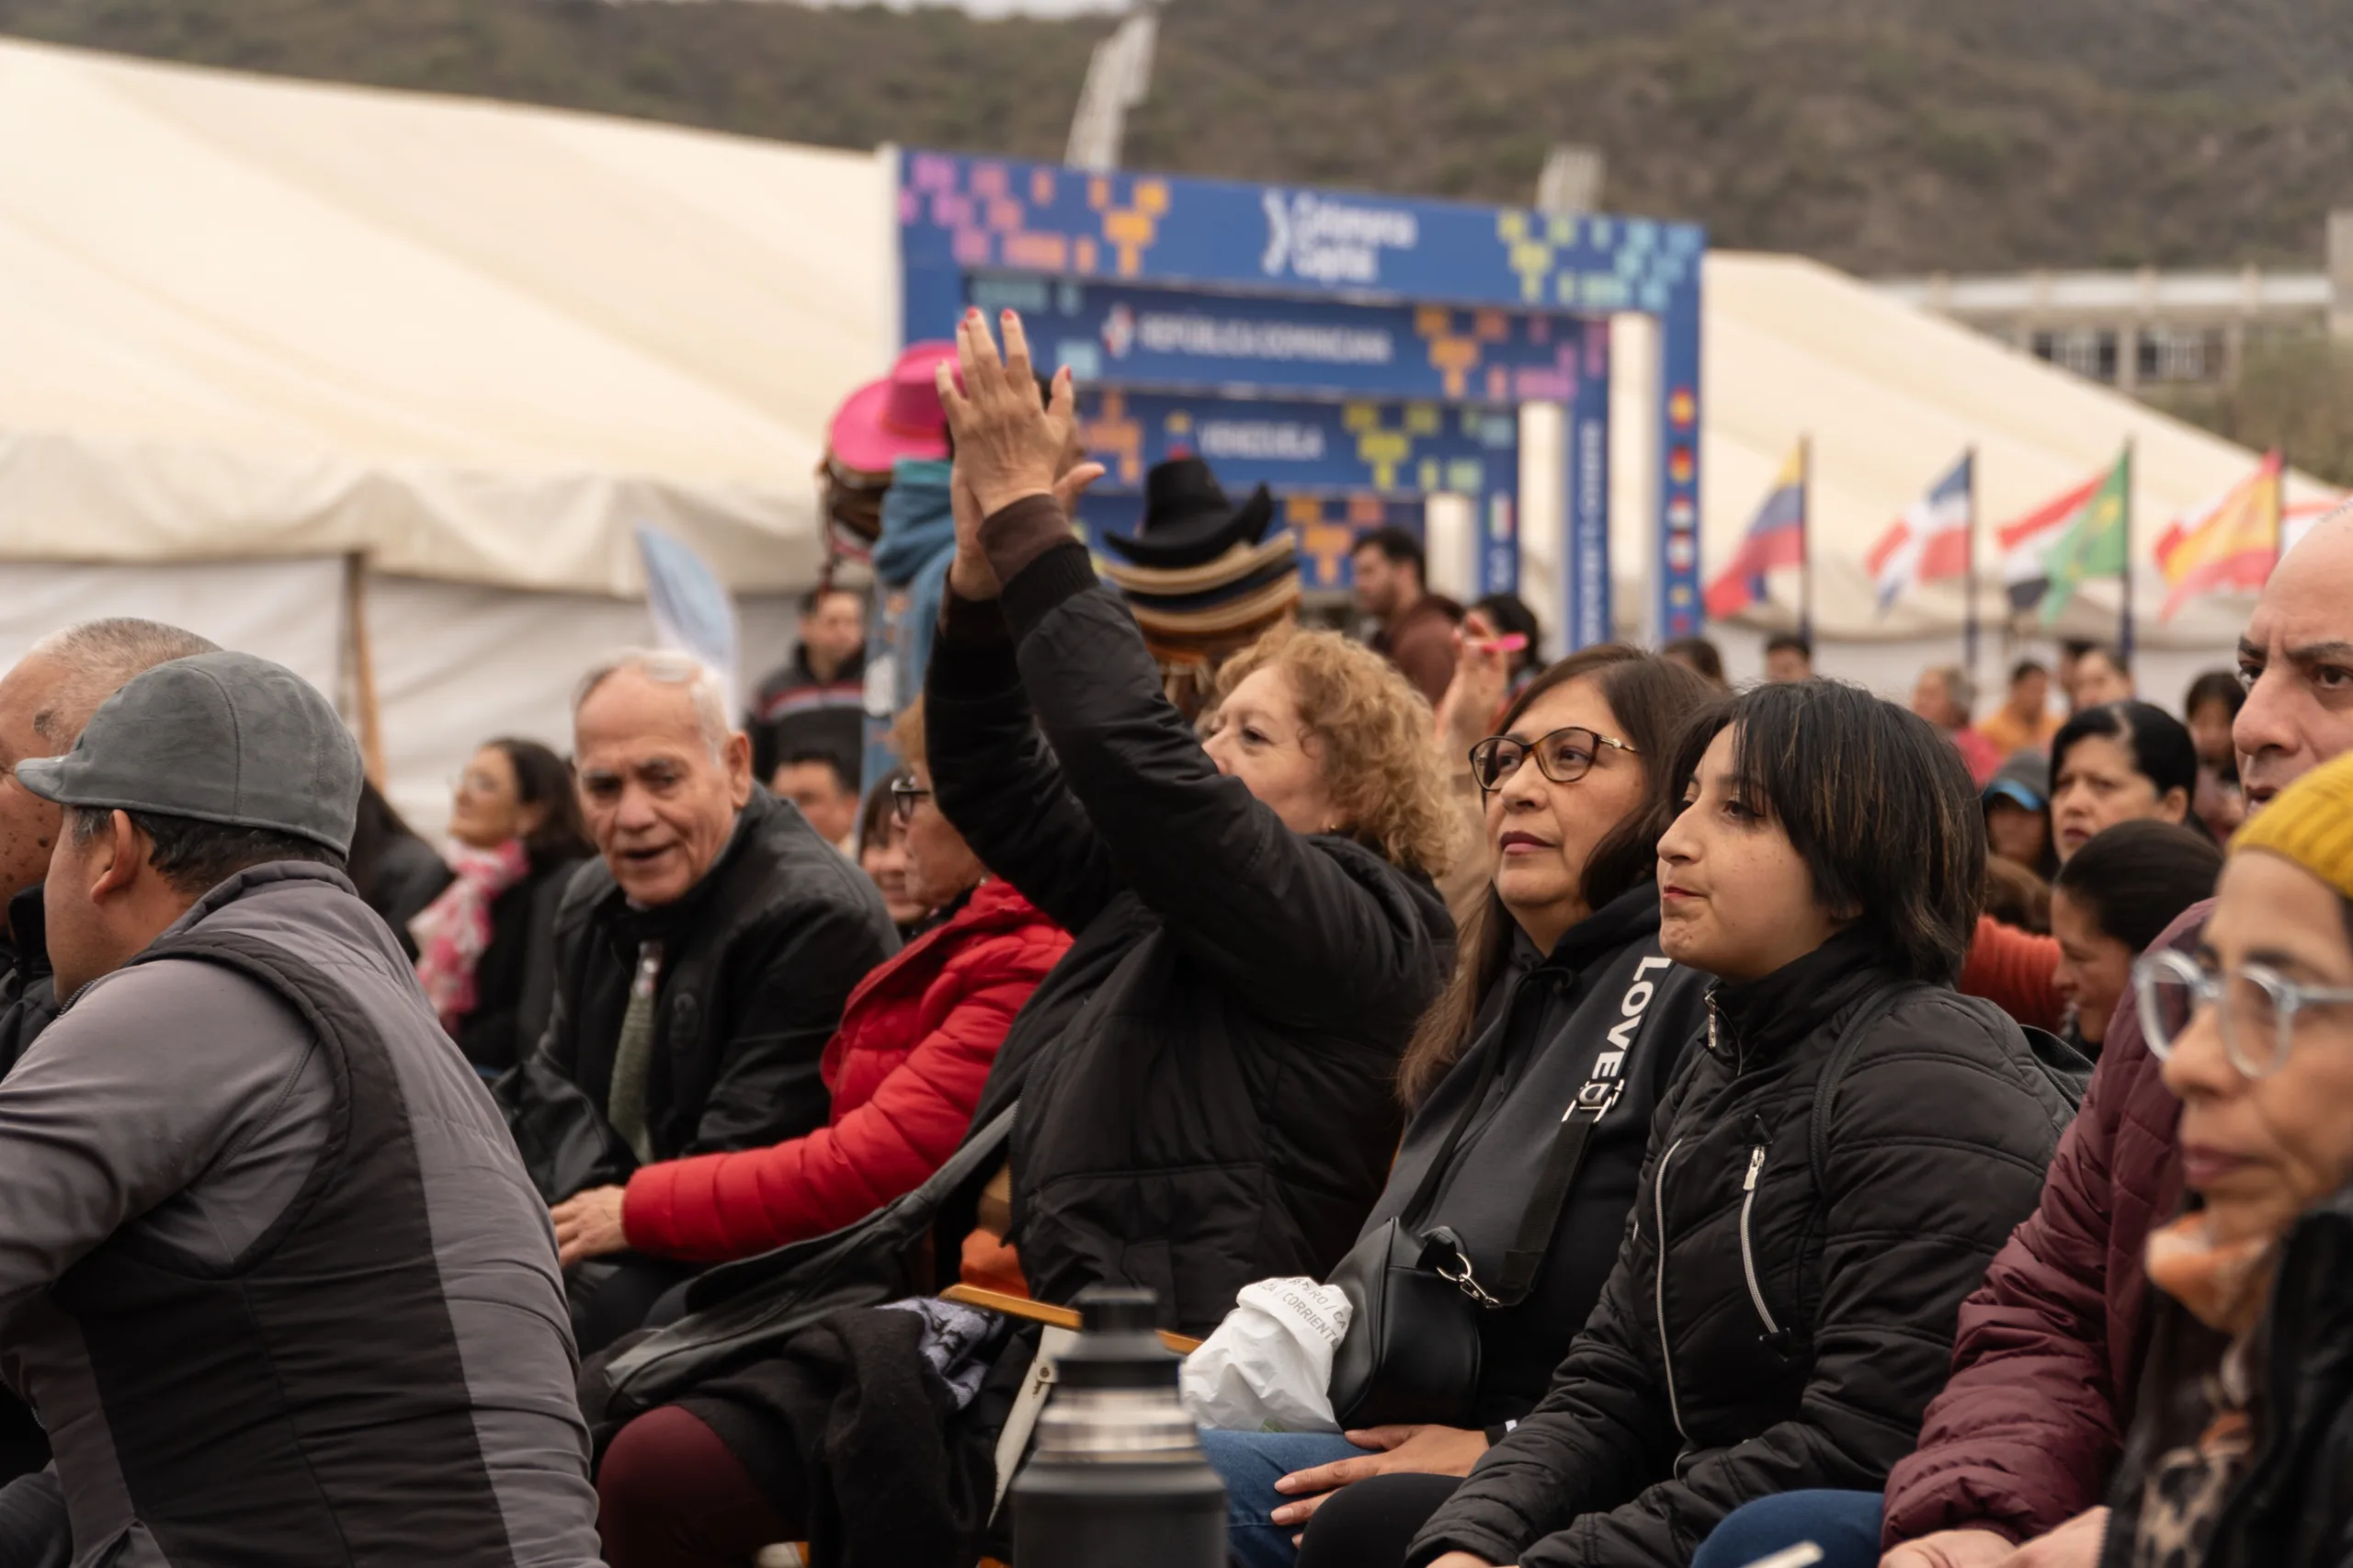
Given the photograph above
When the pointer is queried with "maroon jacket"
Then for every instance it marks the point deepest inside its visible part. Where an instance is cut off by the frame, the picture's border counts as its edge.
(2030, 1428)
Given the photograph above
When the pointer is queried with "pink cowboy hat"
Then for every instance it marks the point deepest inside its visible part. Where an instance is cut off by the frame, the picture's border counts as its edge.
(898, 417)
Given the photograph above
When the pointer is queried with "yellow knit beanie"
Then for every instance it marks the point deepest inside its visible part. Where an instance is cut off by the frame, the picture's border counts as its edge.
(2310, 822)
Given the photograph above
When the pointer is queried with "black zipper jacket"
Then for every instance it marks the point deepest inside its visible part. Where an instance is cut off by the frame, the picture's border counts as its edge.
(1759, 1334)
(1603, 1006)
(1221, 1105)
(2293, 1507)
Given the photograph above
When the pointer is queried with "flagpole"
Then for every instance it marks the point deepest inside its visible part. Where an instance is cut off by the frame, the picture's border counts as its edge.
(2124, 628)
(1969, 621)
(1805, 539)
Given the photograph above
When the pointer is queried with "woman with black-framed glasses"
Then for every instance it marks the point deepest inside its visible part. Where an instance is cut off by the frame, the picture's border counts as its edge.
(2244, 1423)
(1559, 983)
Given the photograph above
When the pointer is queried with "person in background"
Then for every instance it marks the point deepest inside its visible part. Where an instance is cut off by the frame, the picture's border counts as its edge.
(882, 855)
(905, 1071)
(2114, 897)
(1200, 575)
(2118, 763)
(396, 872)
(45, 699)
(822, 785)
(699, 967)
(1944, 696)
(2024, 722)
(2244, 1426)
(279, 1288)
(1699, 656)
(2125, 761)
(2015, 896)
(2017, 1455)
(1416, 626)
(1788, 656)
(2210, 707)
(1825, 1178)
(1510, 616)
(816, 703)
(2071, 654)
(2100, 677)
(1562, 951)
(515, 821)
(2017, 814)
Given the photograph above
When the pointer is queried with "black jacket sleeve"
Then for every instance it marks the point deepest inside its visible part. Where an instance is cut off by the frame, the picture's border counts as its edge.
(994, 777)
(1296, 932)
(786, 994)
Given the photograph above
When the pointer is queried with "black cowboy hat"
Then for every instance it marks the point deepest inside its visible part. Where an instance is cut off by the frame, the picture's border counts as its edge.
(1187, 521)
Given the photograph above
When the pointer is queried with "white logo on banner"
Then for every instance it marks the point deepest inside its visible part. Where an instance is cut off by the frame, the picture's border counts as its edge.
(1261, 441)
(1332, 242)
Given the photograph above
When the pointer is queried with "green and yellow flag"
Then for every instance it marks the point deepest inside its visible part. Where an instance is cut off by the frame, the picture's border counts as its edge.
(2095, 543)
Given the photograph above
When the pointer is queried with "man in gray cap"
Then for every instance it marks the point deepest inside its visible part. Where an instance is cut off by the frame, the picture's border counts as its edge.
(271, 1269)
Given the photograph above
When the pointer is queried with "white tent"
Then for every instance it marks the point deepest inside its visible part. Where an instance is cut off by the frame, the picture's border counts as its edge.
(282, 325)
(1888, 397)
(286, 360)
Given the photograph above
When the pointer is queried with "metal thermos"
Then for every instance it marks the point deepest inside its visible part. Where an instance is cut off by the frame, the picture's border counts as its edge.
(1118, 1479)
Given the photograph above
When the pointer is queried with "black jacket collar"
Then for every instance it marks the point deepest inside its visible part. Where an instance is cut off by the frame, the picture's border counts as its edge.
(24, 947)
(1761, 1017)
(1626, 918)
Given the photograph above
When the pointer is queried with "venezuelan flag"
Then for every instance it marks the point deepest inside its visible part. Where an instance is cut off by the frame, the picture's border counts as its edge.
(1776, 537)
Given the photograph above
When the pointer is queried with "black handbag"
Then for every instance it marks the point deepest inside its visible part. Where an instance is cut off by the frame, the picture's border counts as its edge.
(1410, 1354)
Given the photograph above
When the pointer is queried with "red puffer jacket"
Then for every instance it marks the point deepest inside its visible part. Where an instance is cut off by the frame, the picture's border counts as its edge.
(2030, 1425)
(905, 1068)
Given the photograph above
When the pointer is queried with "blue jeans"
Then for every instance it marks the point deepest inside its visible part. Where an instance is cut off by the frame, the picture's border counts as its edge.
(1845, 1524)
(1250, 1463)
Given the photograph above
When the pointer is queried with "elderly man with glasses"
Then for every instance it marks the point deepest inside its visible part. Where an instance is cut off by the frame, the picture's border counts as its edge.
(701, 963)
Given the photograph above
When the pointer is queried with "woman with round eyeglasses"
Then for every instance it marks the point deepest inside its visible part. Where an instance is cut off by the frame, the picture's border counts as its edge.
(2245, 1423)
(882, 855)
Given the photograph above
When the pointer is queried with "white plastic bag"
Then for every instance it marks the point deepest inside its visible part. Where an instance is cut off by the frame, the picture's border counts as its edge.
(1269, 1366)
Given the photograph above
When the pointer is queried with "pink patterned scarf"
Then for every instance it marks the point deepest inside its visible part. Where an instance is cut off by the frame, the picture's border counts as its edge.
(453, 930)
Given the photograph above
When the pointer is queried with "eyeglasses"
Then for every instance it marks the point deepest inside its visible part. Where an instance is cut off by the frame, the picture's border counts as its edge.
(905, 795)
(1563, 757)
(2254, 1007)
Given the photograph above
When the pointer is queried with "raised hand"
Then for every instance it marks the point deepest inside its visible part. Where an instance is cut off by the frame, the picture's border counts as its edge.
(1007, 447)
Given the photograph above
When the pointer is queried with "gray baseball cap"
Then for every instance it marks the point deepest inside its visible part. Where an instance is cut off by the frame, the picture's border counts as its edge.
(220, 737)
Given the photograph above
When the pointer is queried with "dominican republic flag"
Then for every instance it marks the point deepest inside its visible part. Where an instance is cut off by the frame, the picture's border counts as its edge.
(2025, 543)
(1776, 537)
(1930, 541)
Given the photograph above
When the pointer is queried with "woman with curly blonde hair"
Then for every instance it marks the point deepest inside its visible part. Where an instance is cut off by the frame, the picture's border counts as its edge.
(1256, 924)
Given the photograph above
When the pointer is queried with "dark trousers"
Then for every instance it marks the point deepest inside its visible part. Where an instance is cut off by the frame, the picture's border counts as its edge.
(671, 1494)
(616, 1295)
(1369, 1525)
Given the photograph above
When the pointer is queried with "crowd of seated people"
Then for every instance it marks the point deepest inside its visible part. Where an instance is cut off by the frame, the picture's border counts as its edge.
(1824, 1124)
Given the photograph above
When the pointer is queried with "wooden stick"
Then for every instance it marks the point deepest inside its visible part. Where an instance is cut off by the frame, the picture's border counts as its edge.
(1039, 1312)
(363, 667)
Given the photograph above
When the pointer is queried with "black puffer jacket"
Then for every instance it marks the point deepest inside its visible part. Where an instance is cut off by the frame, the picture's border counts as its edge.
(759, 957)
(1602, 1005)
(1222, 1106)
(1785, 1337)
(2293, 1508)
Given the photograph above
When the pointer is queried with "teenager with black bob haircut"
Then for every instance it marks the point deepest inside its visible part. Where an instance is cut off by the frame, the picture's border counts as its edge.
(1825, 1181)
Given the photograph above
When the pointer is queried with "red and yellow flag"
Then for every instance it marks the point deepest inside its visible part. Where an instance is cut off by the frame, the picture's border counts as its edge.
(2230, 544)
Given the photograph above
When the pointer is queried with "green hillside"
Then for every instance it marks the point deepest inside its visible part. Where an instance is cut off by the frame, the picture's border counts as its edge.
(1879, 134)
